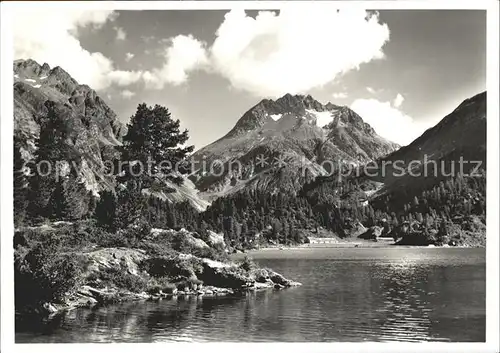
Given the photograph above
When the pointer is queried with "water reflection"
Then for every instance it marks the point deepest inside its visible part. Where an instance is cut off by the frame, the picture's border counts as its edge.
(411, 298)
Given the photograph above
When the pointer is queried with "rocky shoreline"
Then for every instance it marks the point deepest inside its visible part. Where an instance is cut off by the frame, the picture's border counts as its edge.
(62, 266)
(211, 279)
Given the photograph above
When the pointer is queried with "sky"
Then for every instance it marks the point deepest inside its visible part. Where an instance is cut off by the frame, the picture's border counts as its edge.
(402, 71)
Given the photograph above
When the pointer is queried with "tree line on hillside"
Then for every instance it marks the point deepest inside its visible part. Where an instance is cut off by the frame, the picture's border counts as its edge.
(453, 199)
(246, 217)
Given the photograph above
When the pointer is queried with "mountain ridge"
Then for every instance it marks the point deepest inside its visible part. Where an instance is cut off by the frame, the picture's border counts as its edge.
(93, 128)
(427, 161)
(299, 127)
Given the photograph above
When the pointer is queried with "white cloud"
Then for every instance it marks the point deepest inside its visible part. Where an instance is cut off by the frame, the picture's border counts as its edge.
(184, 55)
(339, 95)
(296, 50)
(124, 78)
(127, 94)
(268, 55)
(51, 36)
(120, 33)
(271, 54)
(398, 100)
(370, 89)
(388, 121)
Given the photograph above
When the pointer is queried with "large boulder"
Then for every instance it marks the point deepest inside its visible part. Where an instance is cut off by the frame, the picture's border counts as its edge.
(353, 228)
(215, 239)
(261, 275)
(195, 242)
(224, 275)
(372, 233)
(280, 281)
(118, 258)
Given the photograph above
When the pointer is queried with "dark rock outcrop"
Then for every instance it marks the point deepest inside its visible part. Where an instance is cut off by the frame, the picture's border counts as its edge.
(224, 276)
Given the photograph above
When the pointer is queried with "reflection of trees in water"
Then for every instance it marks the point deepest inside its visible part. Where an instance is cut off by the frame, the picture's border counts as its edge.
(249, 312)
(134, 321)
(229, 314)
(28, 324)
(170, 315)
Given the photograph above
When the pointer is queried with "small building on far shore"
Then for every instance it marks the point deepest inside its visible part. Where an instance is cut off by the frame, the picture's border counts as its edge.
(313, 240)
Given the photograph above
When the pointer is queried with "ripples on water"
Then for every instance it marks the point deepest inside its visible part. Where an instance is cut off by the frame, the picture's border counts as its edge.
(347, 295)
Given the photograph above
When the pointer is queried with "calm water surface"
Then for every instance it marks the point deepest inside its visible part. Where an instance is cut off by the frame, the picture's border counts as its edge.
(353, 294)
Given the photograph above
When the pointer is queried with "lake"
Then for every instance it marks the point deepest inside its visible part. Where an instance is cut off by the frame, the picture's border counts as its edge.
(348, 295)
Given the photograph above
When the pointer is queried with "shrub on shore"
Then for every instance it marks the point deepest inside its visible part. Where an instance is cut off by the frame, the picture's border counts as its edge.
(247, 264)
(160, 285)
(49, 265)
(44, 273)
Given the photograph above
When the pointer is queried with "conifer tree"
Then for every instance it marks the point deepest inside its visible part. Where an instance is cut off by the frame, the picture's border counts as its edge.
(154, 137)
(105, 211)
(20, 185)
(69, 198)
(51, 148)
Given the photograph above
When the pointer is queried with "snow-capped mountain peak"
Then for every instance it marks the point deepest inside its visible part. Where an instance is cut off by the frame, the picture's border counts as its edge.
(299, 127)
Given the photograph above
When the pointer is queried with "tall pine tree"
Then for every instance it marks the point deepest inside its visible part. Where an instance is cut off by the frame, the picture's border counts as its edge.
(51, 148)
(154, 137)
(20, 184)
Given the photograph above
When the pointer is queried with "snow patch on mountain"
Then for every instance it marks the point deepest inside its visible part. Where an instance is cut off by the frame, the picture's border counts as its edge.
(276, 117)
(322, 118)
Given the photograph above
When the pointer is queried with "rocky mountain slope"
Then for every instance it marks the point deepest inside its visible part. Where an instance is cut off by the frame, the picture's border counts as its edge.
(436, 154)
(94, 129)
(417, 200)
(280, 144)
(431, 158)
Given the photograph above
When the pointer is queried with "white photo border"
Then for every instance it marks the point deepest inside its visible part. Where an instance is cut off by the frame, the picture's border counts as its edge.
(493, 157)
